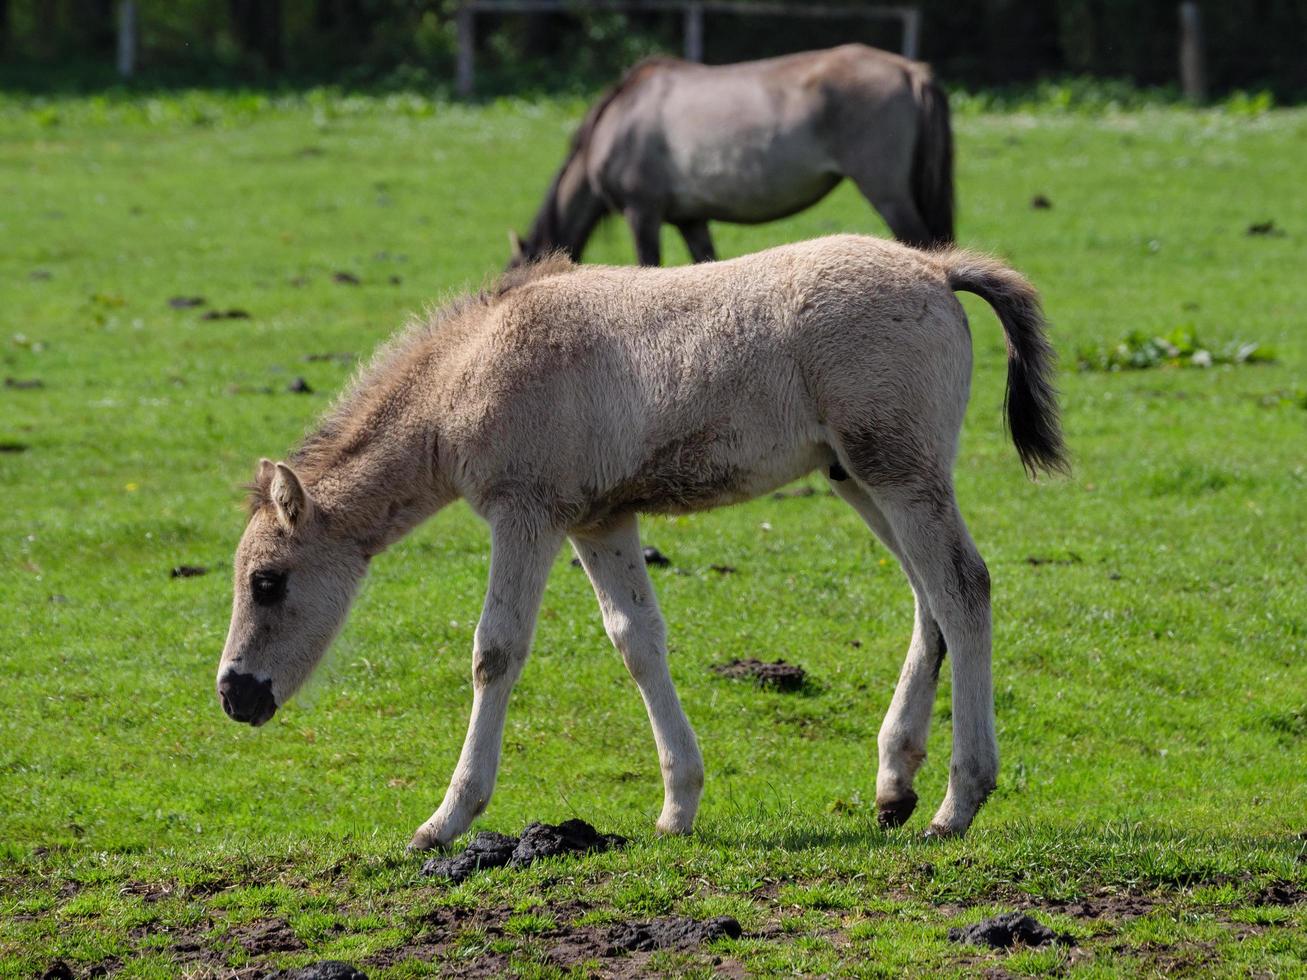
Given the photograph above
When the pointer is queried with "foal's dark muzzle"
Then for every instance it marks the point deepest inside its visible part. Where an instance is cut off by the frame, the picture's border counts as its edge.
(247, 699)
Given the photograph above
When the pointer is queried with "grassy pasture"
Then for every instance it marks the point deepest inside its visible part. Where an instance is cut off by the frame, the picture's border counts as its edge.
(1150, 612)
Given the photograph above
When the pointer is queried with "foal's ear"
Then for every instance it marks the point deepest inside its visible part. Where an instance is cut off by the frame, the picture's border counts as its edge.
(288, 496)
(515, 244)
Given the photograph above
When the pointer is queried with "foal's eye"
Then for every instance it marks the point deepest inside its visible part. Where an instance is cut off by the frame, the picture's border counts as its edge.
(268, 588)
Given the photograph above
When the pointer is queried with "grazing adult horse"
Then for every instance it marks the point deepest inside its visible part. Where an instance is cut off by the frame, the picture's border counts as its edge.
(687, 143)
(569, 399)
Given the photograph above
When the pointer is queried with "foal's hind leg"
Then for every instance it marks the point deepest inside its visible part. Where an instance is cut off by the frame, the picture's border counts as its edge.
(902, 738)
(698, 240)
(924, 518)
(520, 559)
(615, 563)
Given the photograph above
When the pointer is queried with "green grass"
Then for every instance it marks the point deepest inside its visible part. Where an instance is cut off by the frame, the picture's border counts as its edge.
(1150, 615)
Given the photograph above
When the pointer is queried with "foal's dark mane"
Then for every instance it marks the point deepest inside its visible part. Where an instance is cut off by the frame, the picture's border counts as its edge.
(347, 424)
(547, 226)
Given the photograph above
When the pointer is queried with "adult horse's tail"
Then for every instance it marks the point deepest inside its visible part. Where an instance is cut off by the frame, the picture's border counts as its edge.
(932, 158)
(1031, 399)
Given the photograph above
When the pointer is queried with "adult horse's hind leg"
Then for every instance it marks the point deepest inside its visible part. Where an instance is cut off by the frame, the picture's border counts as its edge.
(883, 172)
(613, 559)
(520, 559)
(698, 240)
(647, 228)
(892, 199)
(902, 216)
(902, 739)
(924, 518)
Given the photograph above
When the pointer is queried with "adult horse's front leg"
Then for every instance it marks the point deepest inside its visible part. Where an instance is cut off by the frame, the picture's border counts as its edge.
(613, 559)
(520, 559)
(698, 239)
(647, 227)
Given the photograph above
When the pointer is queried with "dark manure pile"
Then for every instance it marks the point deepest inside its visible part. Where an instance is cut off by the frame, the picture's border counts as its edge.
(539, 840)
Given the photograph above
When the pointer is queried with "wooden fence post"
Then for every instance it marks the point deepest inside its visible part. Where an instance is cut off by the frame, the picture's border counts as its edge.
(694, 31)
(911, 32)
(1193, 74)
(127, 38)
(466, 30)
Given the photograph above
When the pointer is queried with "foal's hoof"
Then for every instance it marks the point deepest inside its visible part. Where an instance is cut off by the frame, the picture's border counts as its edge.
(673, 827)
(425, 840)
(895, 813)
(939, 832)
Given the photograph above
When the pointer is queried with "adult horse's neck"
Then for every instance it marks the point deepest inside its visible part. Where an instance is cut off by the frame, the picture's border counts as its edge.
(570, 213)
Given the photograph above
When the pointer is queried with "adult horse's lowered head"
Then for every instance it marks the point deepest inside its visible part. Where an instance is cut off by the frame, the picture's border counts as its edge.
(685, 143)
(572, 398)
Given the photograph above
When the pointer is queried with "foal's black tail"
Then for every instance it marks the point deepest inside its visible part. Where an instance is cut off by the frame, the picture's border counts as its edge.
(1031, 399)
(932, 158)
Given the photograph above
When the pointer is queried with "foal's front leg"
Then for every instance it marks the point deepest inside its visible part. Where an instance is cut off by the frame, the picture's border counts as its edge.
(519, 565)
(613, 559)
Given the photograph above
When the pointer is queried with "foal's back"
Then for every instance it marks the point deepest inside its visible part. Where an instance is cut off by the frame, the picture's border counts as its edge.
(685, 388)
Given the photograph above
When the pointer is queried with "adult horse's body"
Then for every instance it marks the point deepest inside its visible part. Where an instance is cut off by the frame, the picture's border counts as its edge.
(573, 398)
(684, 143)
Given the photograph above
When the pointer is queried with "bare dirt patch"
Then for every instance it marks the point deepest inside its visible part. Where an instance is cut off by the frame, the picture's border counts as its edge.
(621, 949)
(606, 942)
(266, 936)
(1112, 906)
(1280, 893)
(779, 676)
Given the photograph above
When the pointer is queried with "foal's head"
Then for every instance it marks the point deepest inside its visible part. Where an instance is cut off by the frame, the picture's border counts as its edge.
(295, 579)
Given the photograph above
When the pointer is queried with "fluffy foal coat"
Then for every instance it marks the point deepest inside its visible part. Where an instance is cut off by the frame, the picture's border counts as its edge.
(569, 399)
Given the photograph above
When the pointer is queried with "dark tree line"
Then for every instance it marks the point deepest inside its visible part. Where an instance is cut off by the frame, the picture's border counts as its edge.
(972, 42)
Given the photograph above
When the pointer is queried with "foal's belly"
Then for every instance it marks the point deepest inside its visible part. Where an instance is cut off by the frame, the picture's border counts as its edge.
(675, 488)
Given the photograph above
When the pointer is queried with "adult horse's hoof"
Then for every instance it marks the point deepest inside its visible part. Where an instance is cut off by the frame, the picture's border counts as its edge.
(895, 813)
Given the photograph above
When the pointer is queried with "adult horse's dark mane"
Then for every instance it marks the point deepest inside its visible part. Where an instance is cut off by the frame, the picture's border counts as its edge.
(547, 226)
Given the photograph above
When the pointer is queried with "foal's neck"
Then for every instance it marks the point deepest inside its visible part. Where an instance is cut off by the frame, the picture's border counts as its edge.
(379, 488)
